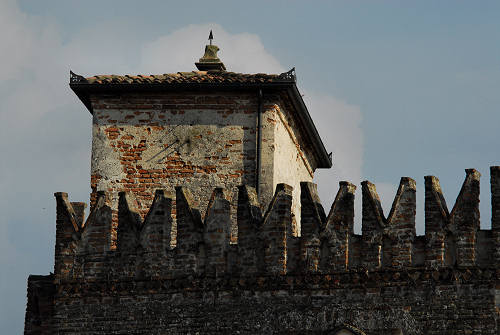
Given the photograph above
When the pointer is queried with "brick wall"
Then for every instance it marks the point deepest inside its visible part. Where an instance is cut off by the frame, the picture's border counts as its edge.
(272, 281)
(292, 304)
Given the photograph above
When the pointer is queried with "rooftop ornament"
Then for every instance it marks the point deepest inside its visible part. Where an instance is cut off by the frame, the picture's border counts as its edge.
(210, 61)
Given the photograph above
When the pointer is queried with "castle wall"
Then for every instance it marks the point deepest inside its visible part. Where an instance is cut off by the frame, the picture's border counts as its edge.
(272, 281)
(40, 305)
(289, 305)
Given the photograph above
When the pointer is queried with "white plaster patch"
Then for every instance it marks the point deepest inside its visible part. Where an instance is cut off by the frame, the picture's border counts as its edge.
(105, 160)
(289, 166)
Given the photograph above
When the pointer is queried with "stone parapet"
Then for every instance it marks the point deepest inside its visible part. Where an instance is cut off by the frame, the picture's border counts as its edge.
(269, 243)
(271, 261)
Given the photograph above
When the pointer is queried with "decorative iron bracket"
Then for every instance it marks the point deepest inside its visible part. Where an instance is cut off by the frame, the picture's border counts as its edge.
(289, 75)
(76, 78)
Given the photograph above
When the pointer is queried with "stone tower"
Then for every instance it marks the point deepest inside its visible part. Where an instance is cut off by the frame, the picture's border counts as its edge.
(202, 129)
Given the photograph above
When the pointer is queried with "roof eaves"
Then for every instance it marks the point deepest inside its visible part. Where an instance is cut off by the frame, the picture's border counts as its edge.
(83, 90)
(325, 158)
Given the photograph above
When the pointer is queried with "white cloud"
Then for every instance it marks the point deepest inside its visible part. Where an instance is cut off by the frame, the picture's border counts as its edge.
(18, 40)
(179, 51)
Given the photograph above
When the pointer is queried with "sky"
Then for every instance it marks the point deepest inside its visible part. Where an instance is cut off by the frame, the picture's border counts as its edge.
(396, 88)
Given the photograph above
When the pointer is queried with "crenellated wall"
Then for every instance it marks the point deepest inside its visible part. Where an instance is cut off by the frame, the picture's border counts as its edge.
(273, 280)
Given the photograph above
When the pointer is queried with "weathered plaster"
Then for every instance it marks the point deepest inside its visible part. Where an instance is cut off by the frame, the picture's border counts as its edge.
(291, 165)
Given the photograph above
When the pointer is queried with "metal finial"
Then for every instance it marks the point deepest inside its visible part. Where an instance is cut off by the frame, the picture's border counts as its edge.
(210, 37)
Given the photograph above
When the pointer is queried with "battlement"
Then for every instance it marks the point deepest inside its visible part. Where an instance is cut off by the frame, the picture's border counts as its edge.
(268, 243)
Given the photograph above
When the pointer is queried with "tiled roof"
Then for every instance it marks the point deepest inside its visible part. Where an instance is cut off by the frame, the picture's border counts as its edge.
(197, 77)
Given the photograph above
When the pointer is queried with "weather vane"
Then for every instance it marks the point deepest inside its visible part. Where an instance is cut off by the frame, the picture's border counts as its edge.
(210, 37)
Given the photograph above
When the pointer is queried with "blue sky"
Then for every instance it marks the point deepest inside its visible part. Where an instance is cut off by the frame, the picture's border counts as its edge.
(397, 88)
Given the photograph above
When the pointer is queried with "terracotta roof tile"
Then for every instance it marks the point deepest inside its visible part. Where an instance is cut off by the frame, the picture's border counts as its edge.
(186, 77)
